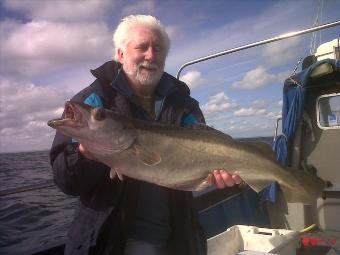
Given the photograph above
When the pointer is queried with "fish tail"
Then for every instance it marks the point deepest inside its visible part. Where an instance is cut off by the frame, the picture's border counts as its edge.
(305, 187)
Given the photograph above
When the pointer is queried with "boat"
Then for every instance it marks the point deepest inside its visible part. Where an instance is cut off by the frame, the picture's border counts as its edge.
(310, 141)
(313, 145)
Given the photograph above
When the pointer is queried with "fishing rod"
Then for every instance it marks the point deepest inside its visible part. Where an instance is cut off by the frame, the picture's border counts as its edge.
(41, 185)
(50, 183)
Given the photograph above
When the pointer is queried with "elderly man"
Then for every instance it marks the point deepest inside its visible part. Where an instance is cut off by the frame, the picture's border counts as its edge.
(132, 217)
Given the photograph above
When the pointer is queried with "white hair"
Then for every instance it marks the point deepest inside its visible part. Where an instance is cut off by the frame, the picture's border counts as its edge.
(122, 36)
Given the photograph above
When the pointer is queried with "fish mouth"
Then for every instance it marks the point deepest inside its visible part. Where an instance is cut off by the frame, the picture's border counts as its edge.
(72, 117)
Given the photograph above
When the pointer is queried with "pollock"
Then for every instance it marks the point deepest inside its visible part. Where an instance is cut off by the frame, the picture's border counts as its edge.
(176, 157)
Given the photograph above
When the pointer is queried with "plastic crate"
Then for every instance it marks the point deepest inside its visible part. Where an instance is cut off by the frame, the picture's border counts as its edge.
(239, 238)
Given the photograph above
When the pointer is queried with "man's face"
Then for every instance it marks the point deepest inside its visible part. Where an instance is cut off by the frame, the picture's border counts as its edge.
(144, 58)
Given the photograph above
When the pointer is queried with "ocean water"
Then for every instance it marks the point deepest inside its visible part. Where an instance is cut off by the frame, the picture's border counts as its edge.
(36, 219)
(33, 219)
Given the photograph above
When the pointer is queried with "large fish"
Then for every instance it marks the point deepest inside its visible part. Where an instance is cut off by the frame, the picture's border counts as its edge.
(176, 157)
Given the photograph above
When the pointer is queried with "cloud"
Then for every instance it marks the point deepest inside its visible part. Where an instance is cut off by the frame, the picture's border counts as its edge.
(283, 52)
(61, 10)
(271, 21)
(274, 115)
(21, 102)
(24, 112)
(258, 104)
(255, 78)
(239, 127)
(31, 138)
(193, 79)
(144, 6)
(248, 112)
(53, 40)
(256, 120)
(41, 46)
(174, 32)
(218, 103)
(260, 108)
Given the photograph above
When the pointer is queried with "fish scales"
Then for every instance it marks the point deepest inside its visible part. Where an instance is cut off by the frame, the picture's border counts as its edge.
(212, 153)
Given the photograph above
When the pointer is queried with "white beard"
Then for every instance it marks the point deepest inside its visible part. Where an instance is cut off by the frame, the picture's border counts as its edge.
(141, 75)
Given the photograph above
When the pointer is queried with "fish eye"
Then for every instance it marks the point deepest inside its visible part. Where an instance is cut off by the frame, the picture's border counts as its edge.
(99, 114)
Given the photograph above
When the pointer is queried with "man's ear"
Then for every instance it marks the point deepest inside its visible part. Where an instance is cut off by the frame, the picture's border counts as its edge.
(120, 56)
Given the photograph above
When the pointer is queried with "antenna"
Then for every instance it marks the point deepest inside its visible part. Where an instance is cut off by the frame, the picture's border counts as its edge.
(314, 43)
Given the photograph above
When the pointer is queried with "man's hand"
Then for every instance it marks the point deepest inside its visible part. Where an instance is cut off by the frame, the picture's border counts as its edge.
(85, 152)
(221, 178)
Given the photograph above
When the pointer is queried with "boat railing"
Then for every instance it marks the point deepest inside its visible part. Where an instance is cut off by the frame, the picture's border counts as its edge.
(258, 43)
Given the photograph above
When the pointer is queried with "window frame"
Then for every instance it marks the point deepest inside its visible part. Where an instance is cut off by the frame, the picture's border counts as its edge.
(318, 112)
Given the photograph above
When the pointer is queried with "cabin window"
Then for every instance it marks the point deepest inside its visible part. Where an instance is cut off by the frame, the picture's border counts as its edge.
(328, 111)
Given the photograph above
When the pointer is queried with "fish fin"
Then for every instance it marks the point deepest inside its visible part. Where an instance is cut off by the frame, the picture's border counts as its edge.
(113, 174)
(264, 148)
(203, 185)
(258, 185)
(201, 126)
(308, 188)
(193, 185)
(120, 176)
(149, 158)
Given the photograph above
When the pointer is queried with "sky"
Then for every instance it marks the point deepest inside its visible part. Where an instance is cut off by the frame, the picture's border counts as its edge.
(47, 48)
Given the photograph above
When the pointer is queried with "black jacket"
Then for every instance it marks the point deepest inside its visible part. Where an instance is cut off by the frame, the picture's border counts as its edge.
(105, 208)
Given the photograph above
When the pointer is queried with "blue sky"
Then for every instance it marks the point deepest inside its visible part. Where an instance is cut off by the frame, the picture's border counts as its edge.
(47, 48)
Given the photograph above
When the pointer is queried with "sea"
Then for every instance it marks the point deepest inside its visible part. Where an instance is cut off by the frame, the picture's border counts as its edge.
(33, 220)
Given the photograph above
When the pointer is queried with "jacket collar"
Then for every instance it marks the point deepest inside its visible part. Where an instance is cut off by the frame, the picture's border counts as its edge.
(121, 84)
(112, 72)
(167, 85)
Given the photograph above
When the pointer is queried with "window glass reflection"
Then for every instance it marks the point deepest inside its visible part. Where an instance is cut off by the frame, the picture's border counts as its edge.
(329, 111)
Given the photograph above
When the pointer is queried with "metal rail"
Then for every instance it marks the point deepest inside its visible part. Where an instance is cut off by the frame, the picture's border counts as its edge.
(247, 46)
(277, 127)
(251, 45)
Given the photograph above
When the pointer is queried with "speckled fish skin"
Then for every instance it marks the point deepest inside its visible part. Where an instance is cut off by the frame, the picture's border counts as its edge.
(179, 158)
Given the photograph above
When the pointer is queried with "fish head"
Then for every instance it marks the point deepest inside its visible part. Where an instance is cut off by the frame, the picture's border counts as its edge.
(101, 130)
(74, 119)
